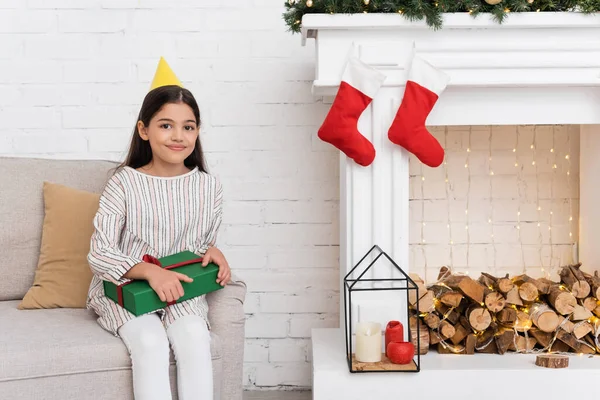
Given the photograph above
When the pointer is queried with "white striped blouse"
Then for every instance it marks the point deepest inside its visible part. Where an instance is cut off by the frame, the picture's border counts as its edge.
(142, 214)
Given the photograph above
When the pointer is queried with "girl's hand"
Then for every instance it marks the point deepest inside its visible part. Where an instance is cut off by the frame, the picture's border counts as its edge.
(214, 255)
(167, 283)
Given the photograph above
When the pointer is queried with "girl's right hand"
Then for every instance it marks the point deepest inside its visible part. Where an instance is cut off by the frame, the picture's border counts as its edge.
(167, 284)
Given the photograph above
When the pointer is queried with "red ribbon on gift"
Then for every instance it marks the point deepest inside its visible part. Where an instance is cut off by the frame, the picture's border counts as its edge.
(153, 260)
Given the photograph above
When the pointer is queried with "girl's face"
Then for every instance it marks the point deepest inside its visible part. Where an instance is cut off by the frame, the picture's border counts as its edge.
(172, 133)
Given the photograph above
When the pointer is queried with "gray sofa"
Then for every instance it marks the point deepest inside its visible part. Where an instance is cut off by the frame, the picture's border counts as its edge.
(63, 353)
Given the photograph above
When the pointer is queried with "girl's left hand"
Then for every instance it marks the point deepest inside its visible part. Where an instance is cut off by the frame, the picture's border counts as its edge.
(214, 255)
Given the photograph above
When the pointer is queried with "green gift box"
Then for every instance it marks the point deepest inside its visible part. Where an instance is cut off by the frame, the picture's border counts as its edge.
(139, 298)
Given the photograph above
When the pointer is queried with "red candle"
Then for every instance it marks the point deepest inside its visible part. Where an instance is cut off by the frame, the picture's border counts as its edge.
(394, 332)
(401, 353)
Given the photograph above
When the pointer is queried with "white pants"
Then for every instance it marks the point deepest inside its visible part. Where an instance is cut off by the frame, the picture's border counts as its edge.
(148, 344)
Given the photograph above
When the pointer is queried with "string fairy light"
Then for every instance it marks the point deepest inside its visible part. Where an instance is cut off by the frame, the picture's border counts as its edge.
(551, 216)
(468, 196)
(491, 211)
(519, 180)
(447, 188)
(528, 166)
(422, 245)
(568, 158)
(537, 199)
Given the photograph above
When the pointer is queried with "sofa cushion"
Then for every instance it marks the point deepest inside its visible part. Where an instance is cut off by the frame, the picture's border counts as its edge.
(51, 342)
(63, 275)
(22, 211)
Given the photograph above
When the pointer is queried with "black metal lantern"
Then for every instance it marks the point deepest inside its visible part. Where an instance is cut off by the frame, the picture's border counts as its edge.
(398, 280)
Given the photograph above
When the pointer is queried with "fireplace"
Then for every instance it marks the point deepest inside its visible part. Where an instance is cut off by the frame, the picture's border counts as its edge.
(534, 69)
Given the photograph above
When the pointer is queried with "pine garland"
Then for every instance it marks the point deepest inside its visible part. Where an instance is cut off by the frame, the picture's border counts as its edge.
(430, 10)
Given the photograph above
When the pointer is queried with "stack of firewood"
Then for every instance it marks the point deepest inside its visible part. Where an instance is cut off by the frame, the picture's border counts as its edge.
(494, 315)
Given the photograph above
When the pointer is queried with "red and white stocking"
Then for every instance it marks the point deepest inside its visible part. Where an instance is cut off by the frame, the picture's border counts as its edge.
(424, 85)
(359, 85)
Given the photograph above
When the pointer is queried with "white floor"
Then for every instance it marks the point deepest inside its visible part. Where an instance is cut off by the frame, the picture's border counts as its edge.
(279, 395)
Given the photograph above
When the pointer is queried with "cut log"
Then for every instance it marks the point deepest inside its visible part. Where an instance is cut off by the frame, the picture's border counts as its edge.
(568, 339)
(465, 322)
(507, 316)
(485, 337)
(462, 306)
(460, 334)
(528, 292)
(420, 292)
(443, 274)
(559, 347)
(446, 330)
(543, 285)
(451, 299)
(566, 325)
(469, 287)
(452, 315)
(594, 282)
(582, 328)
(520, 279)
(413, 294)
(574, 279)
(495, 302)
(523, 322)
(580, 313)
(590, 303)
(490, 281)
(490, 348)
(563, 302)
(450, 349)
(470, 343)
(505, 285)
(512, 297)
(520, 343)
(423, 344)
(422, 289)
(426, 303)
(434, 338)
(432, 320)
(504, 340)
(543, 338)
(439, 289)
(589, 339)
(416, 278)
(586, 348)
(581, 289)
(544, 317)
(479, 318)
(552, 361)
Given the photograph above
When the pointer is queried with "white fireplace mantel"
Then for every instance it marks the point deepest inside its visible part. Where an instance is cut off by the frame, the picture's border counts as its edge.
(535, 68)
(525, 64)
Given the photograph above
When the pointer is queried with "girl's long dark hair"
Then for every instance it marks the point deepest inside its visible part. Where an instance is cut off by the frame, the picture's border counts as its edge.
(140, 153)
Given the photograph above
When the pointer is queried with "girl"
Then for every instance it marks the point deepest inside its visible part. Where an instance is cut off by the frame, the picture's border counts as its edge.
(160, 201)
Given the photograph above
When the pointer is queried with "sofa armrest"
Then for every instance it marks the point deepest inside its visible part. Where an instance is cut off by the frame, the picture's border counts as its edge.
(228, 321)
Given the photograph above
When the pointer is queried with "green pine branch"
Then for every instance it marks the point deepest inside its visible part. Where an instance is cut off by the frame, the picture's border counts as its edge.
(430, 10)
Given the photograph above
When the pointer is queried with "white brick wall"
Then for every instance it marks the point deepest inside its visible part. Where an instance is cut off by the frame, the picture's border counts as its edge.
(73, 74)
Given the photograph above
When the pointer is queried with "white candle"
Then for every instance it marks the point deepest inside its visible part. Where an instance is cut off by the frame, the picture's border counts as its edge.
(368, 342)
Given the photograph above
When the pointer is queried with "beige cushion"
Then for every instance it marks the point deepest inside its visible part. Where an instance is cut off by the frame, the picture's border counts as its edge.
(39, 343)
(22, 212)
(63, 275)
